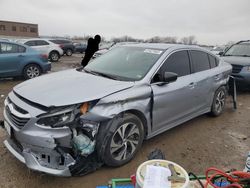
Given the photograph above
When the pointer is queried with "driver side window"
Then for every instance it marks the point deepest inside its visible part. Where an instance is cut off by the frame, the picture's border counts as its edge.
(178, 63)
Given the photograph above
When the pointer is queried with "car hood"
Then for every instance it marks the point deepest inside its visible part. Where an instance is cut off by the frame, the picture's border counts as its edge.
(68, 87)
(237, 60)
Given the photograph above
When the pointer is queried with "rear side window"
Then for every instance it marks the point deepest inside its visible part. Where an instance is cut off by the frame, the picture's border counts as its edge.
(178, 63)
(41, 43)
(61, 41)
(11, 48)
(213, 61)
(30, 43)
(200, 61)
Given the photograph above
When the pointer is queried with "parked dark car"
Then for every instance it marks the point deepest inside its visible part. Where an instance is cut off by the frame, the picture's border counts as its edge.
(238, 55)
(66, 45)
(80, 47)
(21, 60)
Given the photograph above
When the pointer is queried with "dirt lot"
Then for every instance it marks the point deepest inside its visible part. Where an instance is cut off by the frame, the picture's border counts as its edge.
(200, 143)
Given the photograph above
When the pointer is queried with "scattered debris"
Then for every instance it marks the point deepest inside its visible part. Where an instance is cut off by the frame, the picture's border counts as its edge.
(156, 154)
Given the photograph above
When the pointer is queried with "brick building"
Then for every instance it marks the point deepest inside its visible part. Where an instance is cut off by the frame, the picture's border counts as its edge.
(18, 29)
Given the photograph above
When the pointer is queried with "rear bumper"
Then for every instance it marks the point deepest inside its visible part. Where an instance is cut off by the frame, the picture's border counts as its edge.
(46, 67)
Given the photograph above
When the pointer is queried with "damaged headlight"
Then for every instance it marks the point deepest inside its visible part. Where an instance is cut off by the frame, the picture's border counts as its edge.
(61, 117)
(57, 119)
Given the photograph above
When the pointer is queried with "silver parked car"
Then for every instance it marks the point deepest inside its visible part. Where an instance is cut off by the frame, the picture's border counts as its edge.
(71, 122)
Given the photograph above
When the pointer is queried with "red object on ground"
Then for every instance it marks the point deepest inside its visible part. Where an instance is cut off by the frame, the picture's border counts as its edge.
(233, 177)
(133, 179)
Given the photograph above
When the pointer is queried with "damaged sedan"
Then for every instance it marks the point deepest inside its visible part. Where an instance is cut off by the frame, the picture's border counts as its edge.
(72, 122)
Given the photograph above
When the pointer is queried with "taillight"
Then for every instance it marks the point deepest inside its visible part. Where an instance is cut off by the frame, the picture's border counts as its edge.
(61, 45)
(44, 56)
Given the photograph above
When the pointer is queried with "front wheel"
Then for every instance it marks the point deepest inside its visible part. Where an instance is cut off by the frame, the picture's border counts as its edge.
(31, 71)
(121, 141)
(219, 101)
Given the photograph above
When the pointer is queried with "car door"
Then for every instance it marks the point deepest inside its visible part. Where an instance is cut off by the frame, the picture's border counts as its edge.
(205, 78)
(10, 57)
(174, 101)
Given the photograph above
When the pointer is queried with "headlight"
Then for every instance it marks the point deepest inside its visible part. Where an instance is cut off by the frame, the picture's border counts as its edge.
(66, 116)
(57, 119)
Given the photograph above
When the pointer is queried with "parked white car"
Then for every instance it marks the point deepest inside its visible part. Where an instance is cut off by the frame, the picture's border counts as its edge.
(54, 51)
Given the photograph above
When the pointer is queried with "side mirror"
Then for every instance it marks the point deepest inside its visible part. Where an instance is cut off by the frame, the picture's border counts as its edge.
(170, 77)
(221, 53)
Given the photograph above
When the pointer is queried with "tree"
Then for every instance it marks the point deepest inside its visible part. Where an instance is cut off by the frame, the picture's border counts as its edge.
(190, 40)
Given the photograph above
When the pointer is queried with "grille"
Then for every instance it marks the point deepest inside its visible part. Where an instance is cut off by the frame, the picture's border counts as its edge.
(237, 68)
(19, 122)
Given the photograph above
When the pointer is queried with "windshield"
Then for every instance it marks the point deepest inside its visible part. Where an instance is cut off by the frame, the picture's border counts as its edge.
(239, 50)
(125, 63)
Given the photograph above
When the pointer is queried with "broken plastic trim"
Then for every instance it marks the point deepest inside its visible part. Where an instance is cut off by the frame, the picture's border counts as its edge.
(84, 146)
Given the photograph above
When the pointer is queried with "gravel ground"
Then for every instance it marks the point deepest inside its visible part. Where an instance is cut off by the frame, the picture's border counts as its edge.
(203, 142)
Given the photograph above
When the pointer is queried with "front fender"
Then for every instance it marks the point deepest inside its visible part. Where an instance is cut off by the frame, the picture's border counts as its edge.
(138, 98)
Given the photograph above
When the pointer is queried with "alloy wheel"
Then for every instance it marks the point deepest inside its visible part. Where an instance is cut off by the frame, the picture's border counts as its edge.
(220, 101)
(54, 57)
(33, 72)
(125, 141)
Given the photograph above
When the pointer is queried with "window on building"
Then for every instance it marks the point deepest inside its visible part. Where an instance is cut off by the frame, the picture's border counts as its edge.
(33, 30)
(13, 28)
(2, 28)
(23, 29)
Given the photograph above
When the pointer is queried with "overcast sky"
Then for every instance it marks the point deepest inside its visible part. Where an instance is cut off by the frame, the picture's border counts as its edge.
(211, 21)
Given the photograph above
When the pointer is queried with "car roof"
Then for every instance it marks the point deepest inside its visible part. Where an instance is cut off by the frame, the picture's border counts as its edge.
(163, 46)
(11, 42)
(244, 42)
(25, 40)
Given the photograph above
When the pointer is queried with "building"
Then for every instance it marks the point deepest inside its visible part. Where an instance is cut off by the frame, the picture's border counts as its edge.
(10, 29)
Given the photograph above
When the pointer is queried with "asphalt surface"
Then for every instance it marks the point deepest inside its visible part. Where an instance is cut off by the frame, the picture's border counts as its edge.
(203, 142)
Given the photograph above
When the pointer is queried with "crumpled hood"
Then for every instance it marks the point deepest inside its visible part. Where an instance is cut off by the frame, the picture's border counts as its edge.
(244, 61)
(68, 87)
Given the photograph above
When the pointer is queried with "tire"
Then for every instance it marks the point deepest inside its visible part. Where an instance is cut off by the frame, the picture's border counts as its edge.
(114, 145)
(31, 71)
(69, 52)
(54, 56)
(219, 102)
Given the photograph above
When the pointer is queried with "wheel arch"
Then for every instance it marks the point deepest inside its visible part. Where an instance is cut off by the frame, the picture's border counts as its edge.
(31, 63)
(141, 116)
(54, 50)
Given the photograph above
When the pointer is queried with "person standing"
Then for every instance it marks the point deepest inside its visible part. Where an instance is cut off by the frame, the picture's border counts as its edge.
(92, 47)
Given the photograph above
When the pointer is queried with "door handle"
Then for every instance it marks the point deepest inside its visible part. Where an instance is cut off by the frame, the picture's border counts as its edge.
(217, 77)
(192, 85)
(21, 56)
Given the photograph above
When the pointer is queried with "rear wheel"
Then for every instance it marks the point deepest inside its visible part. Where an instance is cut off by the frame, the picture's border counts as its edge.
(31, 71)
(219, 101)
(121, 141)
(54, 56)
(69, 52)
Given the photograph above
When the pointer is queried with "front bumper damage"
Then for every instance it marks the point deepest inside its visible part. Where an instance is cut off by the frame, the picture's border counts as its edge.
(45, 149)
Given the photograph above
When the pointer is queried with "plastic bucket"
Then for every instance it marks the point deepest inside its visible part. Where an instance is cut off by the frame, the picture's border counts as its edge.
(141, 172)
